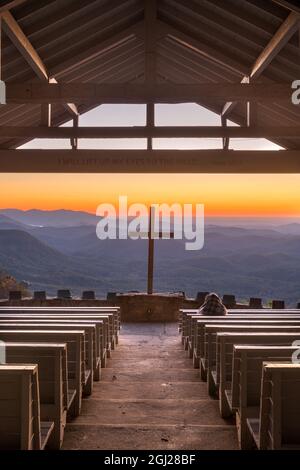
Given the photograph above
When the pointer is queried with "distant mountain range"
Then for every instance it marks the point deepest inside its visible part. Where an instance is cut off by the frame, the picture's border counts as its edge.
(59, 249)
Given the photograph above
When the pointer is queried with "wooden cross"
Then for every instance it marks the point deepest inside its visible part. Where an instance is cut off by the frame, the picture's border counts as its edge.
(151, 237)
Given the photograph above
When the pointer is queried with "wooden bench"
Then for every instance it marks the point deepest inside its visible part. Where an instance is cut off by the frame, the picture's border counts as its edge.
(199, 327)
(108, 325)
(225, 345)
(114, 314)
(191, 318)
(74, 340)
(189, 315)
(242, 395)
(53, 381)
(199, 358)
(20, 425)
(277, 426)
(92, 359)
(212, 356)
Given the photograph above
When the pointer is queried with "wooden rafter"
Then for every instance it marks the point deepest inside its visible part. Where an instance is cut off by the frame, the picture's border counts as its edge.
(4, 6)
(145, 161)
(288, 28)
(139, 132)
(22, 43)
(288, 5)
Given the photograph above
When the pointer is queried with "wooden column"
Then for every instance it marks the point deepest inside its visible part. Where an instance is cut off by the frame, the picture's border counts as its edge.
(150, 60)
(151, 251)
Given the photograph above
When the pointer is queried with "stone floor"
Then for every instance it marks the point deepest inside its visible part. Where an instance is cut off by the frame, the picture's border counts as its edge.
(150, 397)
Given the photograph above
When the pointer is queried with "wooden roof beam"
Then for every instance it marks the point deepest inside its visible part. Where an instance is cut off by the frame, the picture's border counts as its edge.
(140, 132)
(95, 93)
(288, 5)
(4, 6)
(149, 161)
(288, 28)
(24, 46)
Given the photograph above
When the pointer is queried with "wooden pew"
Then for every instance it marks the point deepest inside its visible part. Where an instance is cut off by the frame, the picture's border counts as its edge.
(242, 394)
(212, 355)
(75, 355)
(199, 358)
(112, 312)
(100, 322)
(190, 318)
(277, 427)
(20, 425)
(89, 349)
(225, 345)
(53, 381)
(108, 331)
(188, 315)
(199, 334)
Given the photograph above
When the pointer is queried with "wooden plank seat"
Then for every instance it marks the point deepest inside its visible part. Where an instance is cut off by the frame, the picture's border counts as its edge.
(187, 315)
(277, 424)
(101, 322)
(108, 322)
(190, 319)
(20, 424)
(74, 340)
(244, 390)
(84, 324)
(197, 339)
(210, 348)
(112, 312)
(199, 355)
(89, 343)
(225, 344)
(53, 381)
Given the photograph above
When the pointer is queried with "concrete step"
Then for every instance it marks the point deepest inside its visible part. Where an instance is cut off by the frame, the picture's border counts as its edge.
(145, 390)
(110, 374)
(147, 411)
(150, 363)
(97, 436)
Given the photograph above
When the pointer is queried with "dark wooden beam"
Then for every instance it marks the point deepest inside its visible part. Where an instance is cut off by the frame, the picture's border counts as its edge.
(150, 63)
(149, 161)
(288, 28)
(142, 132)
(292, 6)
(46, 115)
(96, 93)
(4, 6)
(26, 49)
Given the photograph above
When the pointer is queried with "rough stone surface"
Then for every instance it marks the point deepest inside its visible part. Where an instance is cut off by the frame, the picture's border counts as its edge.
(150, 397)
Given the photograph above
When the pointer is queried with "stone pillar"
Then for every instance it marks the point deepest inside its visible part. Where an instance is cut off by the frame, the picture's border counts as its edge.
(255, 303)
(278, 304)
(64, 294)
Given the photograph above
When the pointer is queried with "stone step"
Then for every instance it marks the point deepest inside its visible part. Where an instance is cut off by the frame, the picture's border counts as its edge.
(97, 436)
(110, 374)
(150, 363)
(147, 411)
(144, 390)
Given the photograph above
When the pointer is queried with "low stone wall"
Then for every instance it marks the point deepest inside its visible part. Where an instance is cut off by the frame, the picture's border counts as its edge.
(134, 307)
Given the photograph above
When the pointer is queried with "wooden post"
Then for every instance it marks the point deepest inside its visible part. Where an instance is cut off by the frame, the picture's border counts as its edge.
(151, 250)
(150, 60)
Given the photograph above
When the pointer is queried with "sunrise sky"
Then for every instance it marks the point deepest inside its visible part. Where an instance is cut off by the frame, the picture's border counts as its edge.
(232, 195)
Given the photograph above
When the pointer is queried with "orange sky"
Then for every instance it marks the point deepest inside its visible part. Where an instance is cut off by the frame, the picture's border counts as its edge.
(222, 194)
